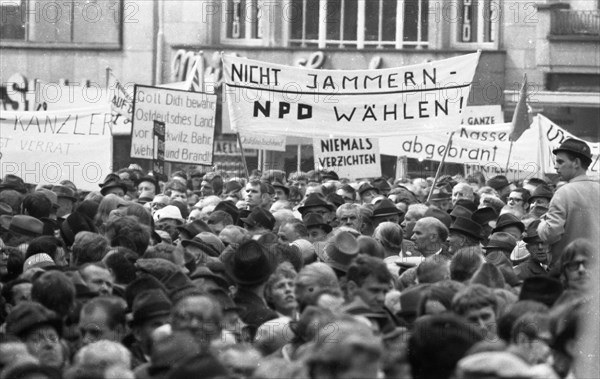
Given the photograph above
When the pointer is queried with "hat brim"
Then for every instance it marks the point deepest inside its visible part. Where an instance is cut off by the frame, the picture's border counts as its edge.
(72, 198)
(229, 269)
(248, 221)
(303, 208)
(467, 232)
(204, 247)
(387, 214)
(519, 225)
(498, 247)
(106, 188)
(584, 158)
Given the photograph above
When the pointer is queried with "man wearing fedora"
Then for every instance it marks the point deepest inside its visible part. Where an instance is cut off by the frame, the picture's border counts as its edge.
(540, 200)
(464, 232)
(66, 201)
(250, 267)
(574, 211)
(539, 254)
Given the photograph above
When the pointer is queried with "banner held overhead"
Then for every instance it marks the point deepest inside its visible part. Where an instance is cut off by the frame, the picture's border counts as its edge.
(189, 119)
(275, 99)
(49, 146)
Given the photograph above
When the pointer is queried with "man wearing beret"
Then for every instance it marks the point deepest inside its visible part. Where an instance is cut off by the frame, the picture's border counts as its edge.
(574, 211)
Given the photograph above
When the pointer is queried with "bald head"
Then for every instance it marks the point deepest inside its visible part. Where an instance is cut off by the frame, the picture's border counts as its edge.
(462, 191)
(429, 235)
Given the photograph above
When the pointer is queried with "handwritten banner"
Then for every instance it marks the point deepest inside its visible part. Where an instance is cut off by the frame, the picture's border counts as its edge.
(263, 142)
(282, 100)
(487, 147)
(49, 146)
(553, 136)
(189, 119)
(350, 158)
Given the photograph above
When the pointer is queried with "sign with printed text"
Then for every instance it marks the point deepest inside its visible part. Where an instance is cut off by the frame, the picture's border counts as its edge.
(262, 142)
(350, 158)
(283, 100)
(482, 115)
(189, 119)
(46, 147)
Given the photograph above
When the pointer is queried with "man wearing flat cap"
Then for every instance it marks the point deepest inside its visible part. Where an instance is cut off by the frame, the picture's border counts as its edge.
(574, 211)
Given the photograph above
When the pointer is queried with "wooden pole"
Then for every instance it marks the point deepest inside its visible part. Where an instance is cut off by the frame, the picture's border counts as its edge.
(509, 153)
(299, 153)
(243, 156)
(108, 72)
(439, 170)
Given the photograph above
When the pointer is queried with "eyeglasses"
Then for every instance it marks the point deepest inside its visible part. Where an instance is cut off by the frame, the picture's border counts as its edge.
(573, 266)
(515, 199)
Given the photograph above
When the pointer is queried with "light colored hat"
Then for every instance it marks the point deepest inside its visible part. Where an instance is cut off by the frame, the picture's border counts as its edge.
(170, 212)
(307, 249)
(38, 260)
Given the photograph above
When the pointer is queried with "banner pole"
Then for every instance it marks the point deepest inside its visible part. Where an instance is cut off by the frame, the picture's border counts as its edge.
(542, 158)
(439, 170)
(108, 72)
(509, 153)
(299, 159)
(243, 156)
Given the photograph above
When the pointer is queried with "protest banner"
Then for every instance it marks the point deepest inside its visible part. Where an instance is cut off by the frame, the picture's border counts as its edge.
(283, 100)
(46, 147)
(486, 148)
(552, 136)
(189, 119)
(75, 95)
(121, 102)
(350, 158)
(262, 142)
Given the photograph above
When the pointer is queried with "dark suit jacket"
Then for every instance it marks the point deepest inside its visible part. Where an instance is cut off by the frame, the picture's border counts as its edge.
(530, 268)
(254, 311)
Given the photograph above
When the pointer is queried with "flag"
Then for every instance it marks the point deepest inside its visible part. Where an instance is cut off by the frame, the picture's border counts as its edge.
(520, 120)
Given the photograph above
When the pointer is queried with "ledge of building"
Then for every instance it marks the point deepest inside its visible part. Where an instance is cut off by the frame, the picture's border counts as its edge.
(564, 99)
(552, 6)
(329, 49)
(575, 38)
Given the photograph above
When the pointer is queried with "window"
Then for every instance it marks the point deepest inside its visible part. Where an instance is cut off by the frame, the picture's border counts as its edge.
(64, 23)
(476, 23)
(242, 22)
(359, 23)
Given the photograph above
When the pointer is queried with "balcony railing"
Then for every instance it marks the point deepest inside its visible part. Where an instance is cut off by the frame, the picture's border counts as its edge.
(569, 23)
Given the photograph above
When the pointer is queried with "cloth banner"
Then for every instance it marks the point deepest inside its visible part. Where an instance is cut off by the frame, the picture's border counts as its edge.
(486, 147)
(351, 158)
(554, 135)
(283, 100)
(46, 147)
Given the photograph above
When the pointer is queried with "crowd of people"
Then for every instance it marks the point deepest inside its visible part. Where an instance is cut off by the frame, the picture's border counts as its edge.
(305, 275)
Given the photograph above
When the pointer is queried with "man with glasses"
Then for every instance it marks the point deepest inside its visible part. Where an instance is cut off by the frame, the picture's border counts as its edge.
(539, 254)
(518, 199)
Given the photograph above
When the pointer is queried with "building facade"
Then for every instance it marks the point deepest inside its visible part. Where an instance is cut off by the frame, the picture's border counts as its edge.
(556, 44)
